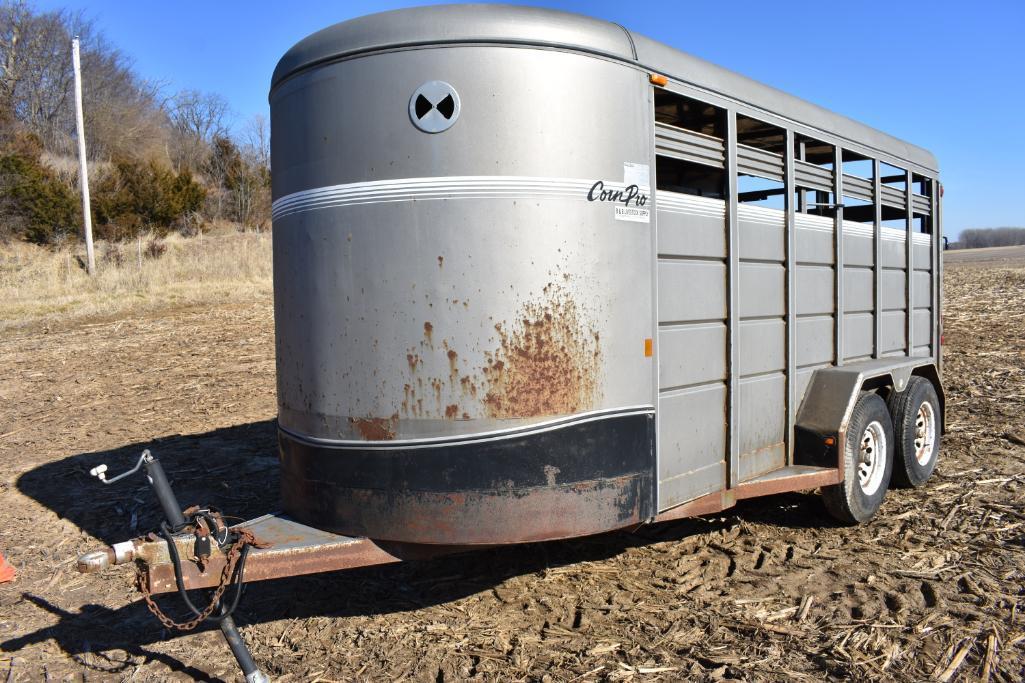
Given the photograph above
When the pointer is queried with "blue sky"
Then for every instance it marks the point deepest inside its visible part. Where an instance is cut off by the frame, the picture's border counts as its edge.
(946, 75)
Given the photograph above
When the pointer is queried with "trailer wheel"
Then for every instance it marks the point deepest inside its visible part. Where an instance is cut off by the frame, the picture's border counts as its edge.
(916, 426)
(867, 463)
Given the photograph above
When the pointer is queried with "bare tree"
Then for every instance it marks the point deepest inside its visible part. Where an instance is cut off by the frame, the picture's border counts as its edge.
(13, 20)
(974, 238)
(256, 141)
(123, 115)
(196, 119)
(242, 177)
(35, 50)
(121, 111)
(256, 155)
(202, 115)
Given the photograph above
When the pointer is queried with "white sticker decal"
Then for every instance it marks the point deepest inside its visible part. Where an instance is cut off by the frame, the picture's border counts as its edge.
(636, 174)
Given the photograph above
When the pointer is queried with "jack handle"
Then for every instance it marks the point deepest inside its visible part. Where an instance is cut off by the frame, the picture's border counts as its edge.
(158, 479)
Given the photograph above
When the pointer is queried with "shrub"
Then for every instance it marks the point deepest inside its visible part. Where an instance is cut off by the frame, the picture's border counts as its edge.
(155, 248)
(113, 255)
(40, 207)
(139, 196)
(189, 224)
(131, 198)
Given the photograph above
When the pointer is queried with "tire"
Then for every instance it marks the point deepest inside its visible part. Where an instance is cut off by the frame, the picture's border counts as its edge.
(916, 426)
(867, 463)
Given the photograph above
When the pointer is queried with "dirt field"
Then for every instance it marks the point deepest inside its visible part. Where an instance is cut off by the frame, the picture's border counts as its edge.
(769, 591)
(1009, 255)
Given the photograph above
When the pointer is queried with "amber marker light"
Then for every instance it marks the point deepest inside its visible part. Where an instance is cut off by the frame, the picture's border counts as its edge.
(657, 79)
(648, 347)
(830, 441)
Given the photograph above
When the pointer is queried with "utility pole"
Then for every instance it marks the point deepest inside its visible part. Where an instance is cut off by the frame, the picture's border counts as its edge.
(83, 174)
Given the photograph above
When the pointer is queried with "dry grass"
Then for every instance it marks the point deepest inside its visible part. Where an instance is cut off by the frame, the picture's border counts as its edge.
(40, 285)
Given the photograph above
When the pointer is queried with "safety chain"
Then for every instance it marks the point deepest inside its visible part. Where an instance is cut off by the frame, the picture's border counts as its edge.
(245, 537)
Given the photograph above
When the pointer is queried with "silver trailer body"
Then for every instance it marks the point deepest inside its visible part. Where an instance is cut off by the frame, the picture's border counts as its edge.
(497, 323)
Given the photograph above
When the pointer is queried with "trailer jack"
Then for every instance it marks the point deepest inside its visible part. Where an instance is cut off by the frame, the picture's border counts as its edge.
(205, 530)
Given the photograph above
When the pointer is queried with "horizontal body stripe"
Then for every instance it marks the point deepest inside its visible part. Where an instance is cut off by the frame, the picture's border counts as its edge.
(480, 437)
(761, 214)
(675, 202)
(532, 187)
(448, 187)
(807, 221)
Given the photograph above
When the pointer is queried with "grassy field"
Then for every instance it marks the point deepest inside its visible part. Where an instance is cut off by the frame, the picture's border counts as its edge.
(39, 285)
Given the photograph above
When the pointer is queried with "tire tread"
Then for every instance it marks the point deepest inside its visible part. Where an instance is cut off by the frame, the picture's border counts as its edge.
(838, 498)
(903, 408)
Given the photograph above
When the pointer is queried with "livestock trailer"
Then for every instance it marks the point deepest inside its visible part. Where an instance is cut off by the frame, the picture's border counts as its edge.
(537, 276)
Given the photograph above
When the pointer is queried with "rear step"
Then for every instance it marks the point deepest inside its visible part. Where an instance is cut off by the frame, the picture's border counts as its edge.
(792, 478)
(783, 480)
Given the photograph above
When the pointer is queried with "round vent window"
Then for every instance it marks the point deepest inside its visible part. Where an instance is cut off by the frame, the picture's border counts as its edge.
(434, 106)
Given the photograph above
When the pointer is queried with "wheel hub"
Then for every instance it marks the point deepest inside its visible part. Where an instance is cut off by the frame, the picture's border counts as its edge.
(871, 465)
(925, 433)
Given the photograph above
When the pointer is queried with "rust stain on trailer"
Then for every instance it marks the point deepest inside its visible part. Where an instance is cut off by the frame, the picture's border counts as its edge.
(443, 390)
(548, 361)
(468, 385)
(453, 364)
(413, 360)
(375, 428)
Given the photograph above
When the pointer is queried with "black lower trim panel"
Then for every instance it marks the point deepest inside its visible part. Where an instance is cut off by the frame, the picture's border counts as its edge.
(577, 479)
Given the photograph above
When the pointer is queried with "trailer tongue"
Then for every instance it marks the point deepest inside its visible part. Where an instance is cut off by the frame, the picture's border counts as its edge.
(287, 548)
(197, 550)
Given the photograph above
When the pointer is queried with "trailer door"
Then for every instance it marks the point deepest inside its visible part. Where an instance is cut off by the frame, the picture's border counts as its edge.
(690, 214)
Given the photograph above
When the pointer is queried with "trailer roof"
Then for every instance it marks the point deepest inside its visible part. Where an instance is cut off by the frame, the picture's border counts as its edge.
(514, 25)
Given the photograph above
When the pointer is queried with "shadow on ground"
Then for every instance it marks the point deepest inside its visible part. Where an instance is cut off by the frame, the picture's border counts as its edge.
(235, 469)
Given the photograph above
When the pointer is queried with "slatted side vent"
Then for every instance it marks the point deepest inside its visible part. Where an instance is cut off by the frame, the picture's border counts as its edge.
(921, 204)
(688, 145)
(859, 188)
(892, 196)
(759, 162)
(813, 177)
